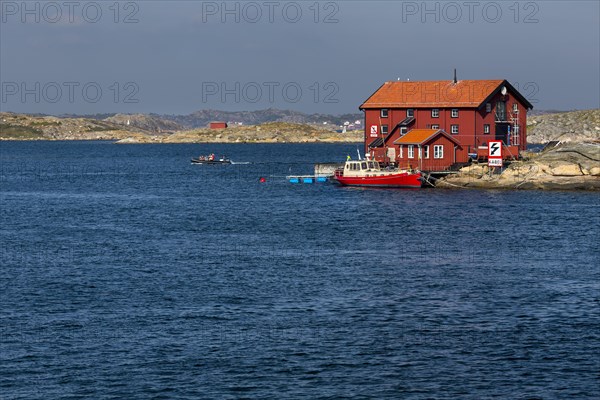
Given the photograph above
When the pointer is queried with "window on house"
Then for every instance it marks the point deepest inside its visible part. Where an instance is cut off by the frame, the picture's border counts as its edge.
(410, 113)
(384, 129)
(438, 151)
(384, 113)
(425, 151)
(435, 127)
(488, 107)
(435, 113)
(420, 152)
(454, 129)
(401, 151)
(411, 151)
(500, 111)
(455, 113)
(403, 130)
(486, 128)
(516, 108)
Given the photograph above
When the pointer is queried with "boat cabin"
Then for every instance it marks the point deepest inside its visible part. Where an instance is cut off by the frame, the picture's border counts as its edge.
(361, 166)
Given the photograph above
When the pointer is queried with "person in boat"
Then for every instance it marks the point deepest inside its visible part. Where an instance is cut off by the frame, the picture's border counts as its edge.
(211, 157)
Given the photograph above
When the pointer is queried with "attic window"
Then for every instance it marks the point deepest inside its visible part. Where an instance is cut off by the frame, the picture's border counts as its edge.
(488, 107)
(516, 108)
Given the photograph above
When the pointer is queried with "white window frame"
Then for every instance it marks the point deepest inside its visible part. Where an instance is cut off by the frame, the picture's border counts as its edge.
(453, 131)
(515, 108)
(401, 151)
(435, 126)
(438, 151)
(426, 152)
(411, 151)
(384, 131)
(403, 130)
(455, 113)
(486, 129)
(410, 112)
(488, 107)
(384, 111)
(435, 113)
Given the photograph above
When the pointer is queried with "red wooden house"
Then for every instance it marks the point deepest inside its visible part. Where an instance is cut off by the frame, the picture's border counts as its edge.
(463, 115)
(427, 150)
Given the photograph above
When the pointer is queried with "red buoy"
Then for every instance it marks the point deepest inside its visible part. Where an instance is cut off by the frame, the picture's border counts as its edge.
(262, 179)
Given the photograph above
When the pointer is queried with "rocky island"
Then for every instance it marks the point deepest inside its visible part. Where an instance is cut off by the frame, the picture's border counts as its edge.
(151, 129)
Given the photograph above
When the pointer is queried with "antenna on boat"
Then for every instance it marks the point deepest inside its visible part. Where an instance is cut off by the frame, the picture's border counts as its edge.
(358, 152)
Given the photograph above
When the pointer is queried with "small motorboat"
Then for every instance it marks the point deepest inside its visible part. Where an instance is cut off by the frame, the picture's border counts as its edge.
(370, 174)
(211, 159)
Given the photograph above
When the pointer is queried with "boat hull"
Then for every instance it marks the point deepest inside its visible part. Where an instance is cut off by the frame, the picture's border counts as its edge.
(210, 162)
(402, 180)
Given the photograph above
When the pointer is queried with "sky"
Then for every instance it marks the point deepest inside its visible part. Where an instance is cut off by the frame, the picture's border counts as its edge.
(176, 57)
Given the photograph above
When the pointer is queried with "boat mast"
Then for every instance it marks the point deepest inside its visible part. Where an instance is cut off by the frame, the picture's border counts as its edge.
(385, 156)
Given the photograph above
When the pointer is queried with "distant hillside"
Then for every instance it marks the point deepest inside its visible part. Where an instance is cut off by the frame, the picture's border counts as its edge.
(27, 127)
(574, 126)
(161, 123)
(270, 132)
(150, 123)
(535, 112)
(150, 129)
(200, 119)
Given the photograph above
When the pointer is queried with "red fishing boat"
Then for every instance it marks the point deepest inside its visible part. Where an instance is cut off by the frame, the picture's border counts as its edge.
(369, 173)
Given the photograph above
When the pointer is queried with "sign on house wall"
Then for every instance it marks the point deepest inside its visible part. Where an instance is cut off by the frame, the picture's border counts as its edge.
(495, 153)
(373, 130)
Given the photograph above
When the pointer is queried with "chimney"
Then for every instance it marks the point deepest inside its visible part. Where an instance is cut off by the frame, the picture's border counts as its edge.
(455, 80)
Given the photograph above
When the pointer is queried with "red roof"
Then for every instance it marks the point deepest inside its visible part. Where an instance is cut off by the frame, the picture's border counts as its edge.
(427, 94)
(421, 136)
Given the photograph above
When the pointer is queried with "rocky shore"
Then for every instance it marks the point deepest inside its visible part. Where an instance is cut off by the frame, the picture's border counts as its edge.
(564, 167)
(568, 127)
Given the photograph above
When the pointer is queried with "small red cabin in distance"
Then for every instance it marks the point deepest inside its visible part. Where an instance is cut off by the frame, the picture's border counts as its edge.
(472, 112)
(218, 125)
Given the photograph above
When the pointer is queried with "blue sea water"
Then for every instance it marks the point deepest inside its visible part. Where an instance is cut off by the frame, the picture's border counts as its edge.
(127, 272)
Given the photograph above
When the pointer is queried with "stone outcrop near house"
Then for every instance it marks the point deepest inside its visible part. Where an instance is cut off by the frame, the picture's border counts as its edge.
(574, 166)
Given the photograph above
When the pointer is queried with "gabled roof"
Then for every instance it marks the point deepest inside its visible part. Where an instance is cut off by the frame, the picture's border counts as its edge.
(427, 94)
(421, 136)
